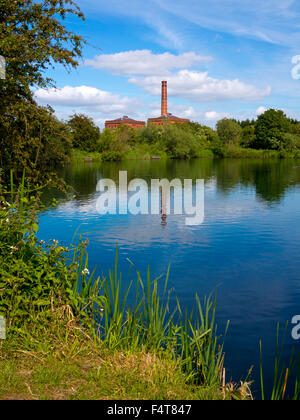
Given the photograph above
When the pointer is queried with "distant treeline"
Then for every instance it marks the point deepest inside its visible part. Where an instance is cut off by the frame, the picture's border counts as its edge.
(33, 138)
(273, 134)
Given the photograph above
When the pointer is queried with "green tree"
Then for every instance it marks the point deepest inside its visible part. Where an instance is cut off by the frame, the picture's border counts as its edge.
(229, 131)
(32, 138)
(248, 136)
(179, 142)
(295, 128)
(106, 140)
(85, 134)
(115, 143)
(33, 38)
(270, 128)
(204, 135)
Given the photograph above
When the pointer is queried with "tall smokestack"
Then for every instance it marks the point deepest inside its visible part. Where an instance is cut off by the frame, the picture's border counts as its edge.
(164, 98)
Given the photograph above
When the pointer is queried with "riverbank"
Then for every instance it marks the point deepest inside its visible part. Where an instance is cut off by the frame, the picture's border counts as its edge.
(59, 363)
(146, 153)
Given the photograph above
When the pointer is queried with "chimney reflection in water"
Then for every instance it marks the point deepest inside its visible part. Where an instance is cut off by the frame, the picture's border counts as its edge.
(164, 207)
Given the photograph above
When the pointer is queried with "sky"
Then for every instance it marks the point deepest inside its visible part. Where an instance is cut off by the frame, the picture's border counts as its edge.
(221, 58)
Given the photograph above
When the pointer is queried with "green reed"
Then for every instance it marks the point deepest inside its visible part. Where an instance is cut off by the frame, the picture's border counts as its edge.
(139, 314)
(284, 373)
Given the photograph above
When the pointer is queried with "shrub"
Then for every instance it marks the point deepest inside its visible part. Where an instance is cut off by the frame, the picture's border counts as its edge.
(36, 278)
(32, 138)
(229, 131)
(270, 129)
(85, 134)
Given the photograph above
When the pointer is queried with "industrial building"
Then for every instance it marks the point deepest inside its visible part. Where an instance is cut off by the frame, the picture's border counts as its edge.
(164, 118)
(124, 121)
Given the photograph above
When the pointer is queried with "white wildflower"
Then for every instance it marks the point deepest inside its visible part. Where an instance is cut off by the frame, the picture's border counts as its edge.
(85, 272)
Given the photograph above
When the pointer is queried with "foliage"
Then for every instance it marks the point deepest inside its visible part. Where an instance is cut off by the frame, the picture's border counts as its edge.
(231, 139)
(114, 144)
(270, 129)
(85, 134)
(229, 131)
(179, 143)
(33, 38)
(248, 136)
(32, 138)
(35, 277)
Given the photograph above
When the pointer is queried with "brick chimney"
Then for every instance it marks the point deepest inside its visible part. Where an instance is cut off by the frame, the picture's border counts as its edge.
(164, 98)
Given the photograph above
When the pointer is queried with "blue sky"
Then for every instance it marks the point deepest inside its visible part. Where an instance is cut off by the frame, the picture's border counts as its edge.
(222, 58)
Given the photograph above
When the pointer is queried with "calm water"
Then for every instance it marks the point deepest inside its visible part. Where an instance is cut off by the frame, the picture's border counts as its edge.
(248, 244)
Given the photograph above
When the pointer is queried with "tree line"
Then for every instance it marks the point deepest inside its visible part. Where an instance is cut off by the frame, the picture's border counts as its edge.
(271, 134)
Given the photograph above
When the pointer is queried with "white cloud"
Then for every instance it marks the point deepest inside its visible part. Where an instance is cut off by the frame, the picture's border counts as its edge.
(199, 87)
(87, 98)
(144, 62)
(184, 111)
(260, 110)
(215, 116)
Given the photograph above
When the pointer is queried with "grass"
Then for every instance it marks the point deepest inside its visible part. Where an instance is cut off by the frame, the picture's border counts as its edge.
(139, 315)
(61, 364)
(146, 152)
(80, 155)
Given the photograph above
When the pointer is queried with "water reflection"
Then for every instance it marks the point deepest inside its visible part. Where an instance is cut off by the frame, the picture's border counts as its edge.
(270, 178)
(164, 208)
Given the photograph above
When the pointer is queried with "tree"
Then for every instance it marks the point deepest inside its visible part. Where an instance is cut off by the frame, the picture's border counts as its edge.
(270, 128)
(248, 136)
(32, 39)
(85, 133)
(32, 138)
(229, 131)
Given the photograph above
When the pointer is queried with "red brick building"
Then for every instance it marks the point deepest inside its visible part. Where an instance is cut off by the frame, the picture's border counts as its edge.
(111, 125)
(166, 117)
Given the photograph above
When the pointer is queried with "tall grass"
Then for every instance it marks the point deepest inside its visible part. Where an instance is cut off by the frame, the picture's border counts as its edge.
(286, 375)
(140, 314)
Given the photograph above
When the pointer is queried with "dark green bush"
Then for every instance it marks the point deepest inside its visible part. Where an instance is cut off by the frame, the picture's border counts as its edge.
(85, 134)
(32, 138)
